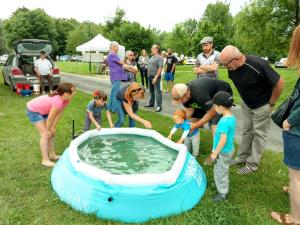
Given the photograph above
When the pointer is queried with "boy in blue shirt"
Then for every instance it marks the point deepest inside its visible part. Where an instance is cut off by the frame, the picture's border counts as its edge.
(191, 140)
(223, 143)
(94, 108)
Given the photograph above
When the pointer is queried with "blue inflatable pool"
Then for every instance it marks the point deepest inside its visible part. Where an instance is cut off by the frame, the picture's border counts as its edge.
(124, 197)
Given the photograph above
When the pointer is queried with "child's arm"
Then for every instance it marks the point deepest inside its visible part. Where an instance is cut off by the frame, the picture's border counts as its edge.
(183, 136)
(174, 129)
(219, 147)
(109, 119)
(92, 118)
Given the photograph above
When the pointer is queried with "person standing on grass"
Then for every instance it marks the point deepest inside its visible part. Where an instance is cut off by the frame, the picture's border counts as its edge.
(170, 70)
(163, 54)
(259, 87)
(128, 103)
(291, 141)
(223, 143)
(94, 109)
(155, 68)
(43, 69)
(132, 69)
(143, 63)
(206, 64)
(117, 74)
(44, 113)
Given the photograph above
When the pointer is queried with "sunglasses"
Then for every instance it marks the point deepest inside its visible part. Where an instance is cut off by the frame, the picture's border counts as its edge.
(136, 90)
(230, 61)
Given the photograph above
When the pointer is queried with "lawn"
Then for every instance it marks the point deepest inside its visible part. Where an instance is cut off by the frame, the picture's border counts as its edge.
(26, 196)
(184, 74)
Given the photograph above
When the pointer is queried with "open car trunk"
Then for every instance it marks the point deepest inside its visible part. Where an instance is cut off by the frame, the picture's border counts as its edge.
(32, 46)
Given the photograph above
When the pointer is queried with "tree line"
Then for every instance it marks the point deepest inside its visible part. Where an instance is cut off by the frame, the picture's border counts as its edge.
(262, 27)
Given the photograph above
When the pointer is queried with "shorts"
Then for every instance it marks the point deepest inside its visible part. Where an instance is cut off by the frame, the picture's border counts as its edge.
(169, 76)
(35, 117)
(291, 150)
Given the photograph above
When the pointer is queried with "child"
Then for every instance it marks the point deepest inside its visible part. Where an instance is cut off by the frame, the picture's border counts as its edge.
(223, 144)
(94, 109)
(191, 140)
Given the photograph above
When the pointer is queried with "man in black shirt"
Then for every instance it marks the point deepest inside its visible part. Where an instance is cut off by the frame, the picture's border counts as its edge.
(197, 96)
(170, 70)
(259, 87)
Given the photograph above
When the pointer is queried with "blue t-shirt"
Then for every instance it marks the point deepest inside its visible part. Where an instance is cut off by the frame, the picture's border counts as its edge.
(187, 126)
(91, 107)
(226, 126)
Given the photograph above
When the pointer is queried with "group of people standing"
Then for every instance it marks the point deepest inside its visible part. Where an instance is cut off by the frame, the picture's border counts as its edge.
(205, 100)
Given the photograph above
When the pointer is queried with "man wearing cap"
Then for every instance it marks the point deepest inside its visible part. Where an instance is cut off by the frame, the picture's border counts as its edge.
(196, 97)
(206, 65)
(259, 87)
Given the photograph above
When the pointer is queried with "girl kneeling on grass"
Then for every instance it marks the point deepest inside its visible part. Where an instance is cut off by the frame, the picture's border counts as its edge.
(94, 109)
(127, 103)
(44, 112)
(223, 144)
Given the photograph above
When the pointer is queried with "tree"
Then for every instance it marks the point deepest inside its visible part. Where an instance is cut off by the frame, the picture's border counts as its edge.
(29, 24)
(114, 22)
(63, 28)
(3, 48)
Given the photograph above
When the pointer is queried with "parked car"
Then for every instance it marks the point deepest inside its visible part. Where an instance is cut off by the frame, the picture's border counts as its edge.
(190, 61)
(65, 58)
(76, 58)
(19, 67)
(3, 59)
(281, 63)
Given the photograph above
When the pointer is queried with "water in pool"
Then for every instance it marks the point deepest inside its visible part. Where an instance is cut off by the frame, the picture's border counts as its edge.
(127, 154)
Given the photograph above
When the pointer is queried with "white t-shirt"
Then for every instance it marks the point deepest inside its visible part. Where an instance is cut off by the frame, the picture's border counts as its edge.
(44, 66)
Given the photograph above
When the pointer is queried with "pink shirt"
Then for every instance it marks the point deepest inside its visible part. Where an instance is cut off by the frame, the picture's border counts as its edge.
(43, 104)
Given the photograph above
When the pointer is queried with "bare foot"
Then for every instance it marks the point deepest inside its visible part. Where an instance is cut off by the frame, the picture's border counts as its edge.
(48, 163)
(286, 189)
(282, 218)
(54, 157)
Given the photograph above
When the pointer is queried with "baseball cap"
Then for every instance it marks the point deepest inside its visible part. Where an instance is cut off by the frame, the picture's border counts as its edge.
(206, 40)
(178, 91)
(224, 99)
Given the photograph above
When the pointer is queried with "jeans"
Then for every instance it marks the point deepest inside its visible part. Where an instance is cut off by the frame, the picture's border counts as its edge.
(144, 75)
(87, 122)
(121, 116)
(155, 91)
(116, 85)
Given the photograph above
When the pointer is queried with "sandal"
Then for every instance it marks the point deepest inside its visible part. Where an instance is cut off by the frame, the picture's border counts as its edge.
(286, 189)
(282, 218)
(245, 170)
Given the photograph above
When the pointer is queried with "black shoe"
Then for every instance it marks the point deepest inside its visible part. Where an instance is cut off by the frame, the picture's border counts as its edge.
(158, 109)
(147, 106)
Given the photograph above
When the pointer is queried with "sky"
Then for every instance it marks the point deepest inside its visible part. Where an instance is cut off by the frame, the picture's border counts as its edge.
(159, 14)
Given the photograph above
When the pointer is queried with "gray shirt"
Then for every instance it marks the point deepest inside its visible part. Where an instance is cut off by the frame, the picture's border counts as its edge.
(155, 63)
(203, 60)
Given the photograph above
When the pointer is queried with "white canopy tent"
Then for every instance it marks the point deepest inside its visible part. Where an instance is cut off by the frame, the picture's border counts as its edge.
(95, 48)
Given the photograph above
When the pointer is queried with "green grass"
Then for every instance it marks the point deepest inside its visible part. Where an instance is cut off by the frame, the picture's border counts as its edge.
(184, 74)
(26, 195)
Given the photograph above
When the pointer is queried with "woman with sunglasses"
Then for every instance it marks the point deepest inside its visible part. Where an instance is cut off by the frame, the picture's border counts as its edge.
(127, 103)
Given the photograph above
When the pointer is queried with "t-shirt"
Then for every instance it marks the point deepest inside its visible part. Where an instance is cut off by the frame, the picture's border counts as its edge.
(203, 60)
(96, 110)
(121, 97)
(170, 61)
(254, 81)
(203, 90)
(44, 66)
(226, 126)
(44, 103)
(155, 63)
(186, 126)
(130, 75)
(115, 69)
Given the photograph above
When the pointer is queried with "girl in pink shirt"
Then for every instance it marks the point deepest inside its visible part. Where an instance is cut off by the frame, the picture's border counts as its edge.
(44, 113)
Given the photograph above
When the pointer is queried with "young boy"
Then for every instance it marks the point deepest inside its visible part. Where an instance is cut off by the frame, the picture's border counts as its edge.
(223, 144)
(191, 140)
(94, 109)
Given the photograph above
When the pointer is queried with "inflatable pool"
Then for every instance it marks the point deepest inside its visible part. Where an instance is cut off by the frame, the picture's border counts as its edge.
(131, 183)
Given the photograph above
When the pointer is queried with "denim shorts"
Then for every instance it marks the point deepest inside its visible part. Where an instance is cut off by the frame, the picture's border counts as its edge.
(169, 76)
(291, 150)
(35, 117)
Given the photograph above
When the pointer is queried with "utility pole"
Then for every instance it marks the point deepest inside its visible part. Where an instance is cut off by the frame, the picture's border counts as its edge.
(90, 63)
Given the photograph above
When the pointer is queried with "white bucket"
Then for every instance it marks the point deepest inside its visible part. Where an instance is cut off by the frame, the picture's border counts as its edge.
(36, 88)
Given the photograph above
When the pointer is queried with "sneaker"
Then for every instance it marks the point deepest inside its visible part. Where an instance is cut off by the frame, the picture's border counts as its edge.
(237, 161)
(245, 170)
(219, 198)
(158, 109)
(147, 106)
